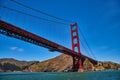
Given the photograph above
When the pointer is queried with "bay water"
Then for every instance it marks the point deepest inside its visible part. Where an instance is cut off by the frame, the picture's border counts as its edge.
(100, 75)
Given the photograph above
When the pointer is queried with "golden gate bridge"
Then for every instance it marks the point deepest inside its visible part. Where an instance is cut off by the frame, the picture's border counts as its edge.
(27, 36)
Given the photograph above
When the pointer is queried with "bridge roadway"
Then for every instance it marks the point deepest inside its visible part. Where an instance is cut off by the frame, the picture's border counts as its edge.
(15, 32)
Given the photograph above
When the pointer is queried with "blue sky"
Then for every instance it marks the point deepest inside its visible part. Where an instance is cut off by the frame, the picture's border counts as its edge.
(99, 20)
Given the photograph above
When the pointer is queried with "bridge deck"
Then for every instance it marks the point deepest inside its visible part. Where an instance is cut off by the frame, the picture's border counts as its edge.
(15, 32)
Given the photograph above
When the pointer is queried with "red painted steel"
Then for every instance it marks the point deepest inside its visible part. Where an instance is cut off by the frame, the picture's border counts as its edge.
(15, 32)
(74, 36)
(77, 62)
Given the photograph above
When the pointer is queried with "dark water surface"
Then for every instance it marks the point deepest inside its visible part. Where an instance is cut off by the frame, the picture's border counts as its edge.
(103, 75)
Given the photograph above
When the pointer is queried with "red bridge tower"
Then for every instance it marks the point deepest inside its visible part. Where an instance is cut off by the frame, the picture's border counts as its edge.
(77, 62)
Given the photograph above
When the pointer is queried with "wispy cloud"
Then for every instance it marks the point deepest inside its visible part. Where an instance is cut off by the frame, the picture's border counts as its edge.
(103, 47)
(20, 50)
(107, 49)
(14, 48)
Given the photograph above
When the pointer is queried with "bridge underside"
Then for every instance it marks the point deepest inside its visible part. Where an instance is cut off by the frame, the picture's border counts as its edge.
(18, 33)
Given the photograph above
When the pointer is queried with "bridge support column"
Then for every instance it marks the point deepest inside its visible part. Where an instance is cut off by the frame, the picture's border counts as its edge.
(77, 61)
(77, 64)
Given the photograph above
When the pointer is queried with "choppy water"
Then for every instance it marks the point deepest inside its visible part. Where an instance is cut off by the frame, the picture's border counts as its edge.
(103, 75)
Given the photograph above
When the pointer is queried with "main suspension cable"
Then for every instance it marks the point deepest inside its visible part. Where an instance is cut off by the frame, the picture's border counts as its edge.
(33, 15)
(21, 4)
(87, 43)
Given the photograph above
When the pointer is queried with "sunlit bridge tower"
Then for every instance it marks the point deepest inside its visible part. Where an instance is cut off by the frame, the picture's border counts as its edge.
(77, 61)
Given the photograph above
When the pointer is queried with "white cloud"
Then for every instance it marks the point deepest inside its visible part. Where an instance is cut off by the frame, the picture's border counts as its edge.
(14, 48)
(20, 50)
